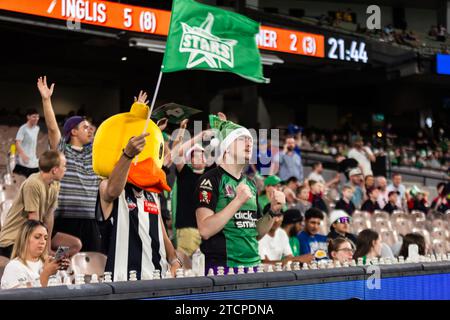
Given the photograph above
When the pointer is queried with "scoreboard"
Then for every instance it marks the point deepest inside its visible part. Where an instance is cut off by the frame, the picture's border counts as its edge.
(153, 21)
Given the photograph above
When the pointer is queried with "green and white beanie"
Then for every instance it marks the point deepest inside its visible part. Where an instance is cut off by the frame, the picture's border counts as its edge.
(226, 133)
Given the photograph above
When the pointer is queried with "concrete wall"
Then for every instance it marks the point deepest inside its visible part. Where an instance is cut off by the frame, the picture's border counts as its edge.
(99, 102)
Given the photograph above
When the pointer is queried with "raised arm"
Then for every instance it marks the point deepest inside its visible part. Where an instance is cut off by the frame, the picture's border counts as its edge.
(111, 188)
(54, 135)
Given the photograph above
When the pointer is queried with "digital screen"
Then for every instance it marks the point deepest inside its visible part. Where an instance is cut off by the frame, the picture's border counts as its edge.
(443, 63)
(152, 21)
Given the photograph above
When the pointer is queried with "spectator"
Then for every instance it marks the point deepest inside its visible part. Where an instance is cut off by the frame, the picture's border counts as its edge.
(368, 245)
(371, 204)
(340, 226)
(303, 199)
(345, 203)
(340, 249)
(26, 144)
(37, 199)
(413, 238)
(442, 202)
(381, 184)
(271, 183)
(288, 163)
(441, 33)
(231, 226)
(293, 183)
(30, 266)
(363, 155)
(397, 185)
(190, 164)
(274, 246)
(417, 200)
(264, 157)
(357, 182)
(391, 206)
(316, 195)
(369, 182)
(77, 199)
(292, 225)
(310, 240)
(316, 175)
(291, 199)
(136, 221)
(345, 165)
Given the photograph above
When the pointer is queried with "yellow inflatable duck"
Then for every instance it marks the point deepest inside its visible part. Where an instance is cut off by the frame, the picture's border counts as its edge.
(113, 135)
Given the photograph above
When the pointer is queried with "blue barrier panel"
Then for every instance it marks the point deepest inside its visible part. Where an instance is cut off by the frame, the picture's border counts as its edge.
(423, 287)
(325, 291)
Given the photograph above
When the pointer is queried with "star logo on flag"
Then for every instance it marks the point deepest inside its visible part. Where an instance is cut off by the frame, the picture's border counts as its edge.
(203, 46)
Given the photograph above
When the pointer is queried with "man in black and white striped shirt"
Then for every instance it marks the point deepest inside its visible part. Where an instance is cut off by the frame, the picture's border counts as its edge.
(139, 241)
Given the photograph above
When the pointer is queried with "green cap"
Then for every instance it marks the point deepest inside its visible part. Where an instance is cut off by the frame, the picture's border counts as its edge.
(271, 181)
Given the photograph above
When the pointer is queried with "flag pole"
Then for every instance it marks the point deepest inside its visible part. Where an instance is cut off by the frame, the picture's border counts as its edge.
(151, 108)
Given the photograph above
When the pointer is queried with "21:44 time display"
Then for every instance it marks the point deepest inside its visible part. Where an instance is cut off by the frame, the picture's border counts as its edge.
(339, 50)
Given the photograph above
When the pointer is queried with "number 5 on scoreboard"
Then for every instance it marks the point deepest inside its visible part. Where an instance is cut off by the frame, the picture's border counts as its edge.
(128, 20)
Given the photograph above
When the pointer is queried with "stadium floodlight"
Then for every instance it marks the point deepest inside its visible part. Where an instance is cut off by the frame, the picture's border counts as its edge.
(270, 59)
(150, 45)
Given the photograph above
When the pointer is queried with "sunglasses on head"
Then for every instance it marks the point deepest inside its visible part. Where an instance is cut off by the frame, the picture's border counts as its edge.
(343, 220)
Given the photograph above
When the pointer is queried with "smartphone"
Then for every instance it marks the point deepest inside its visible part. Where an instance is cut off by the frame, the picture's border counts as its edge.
(61, 252)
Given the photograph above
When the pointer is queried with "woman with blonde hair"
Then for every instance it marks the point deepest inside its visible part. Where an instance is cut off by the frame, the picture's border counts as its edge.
(30, 266)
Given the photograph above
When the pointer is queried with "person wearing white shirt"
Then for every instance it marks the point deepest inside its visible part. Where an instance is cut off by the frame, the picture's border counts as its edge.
(26, 145)
(29, 265)
(316, 173)
(397, 185)
(274, 246)
(363, 155)
(381, 184)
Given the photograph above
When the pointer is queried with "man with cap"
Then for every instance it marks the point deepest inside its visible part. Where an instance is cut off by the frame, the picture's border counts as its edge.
(340, 226)
(275, 246)
(371, 204)
(228, 218)
(391, 206)
(271, 183)
(77, 199)
(190, 163)
(292, 225)
(397, 185)
(357, 182)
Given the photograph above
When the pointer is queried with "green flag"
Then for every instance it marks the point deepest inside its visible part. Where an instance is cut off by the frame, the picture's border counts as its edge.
(203, 37)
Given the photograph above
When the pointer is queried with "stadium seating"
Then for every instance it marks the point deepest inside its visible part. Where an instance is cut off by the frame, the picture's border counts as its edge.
(89, 263)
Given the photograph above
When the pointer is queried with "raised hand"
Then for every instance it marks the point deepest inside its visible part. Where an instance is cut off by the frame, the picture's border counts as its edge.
(44, 90)
(142, 98)
(243, 193)
(278, 199)
(136, 145)
(162, 123)
(184, 123)
(222, 116)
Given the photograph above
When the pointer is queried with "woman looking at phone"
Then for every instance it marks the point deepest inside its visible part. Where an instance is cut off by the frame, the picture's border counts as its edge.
(30, 265)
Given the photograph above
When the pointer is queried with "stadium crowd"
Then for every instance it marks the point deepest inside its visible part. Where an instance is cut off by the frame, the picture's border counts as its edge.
(288, 215)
